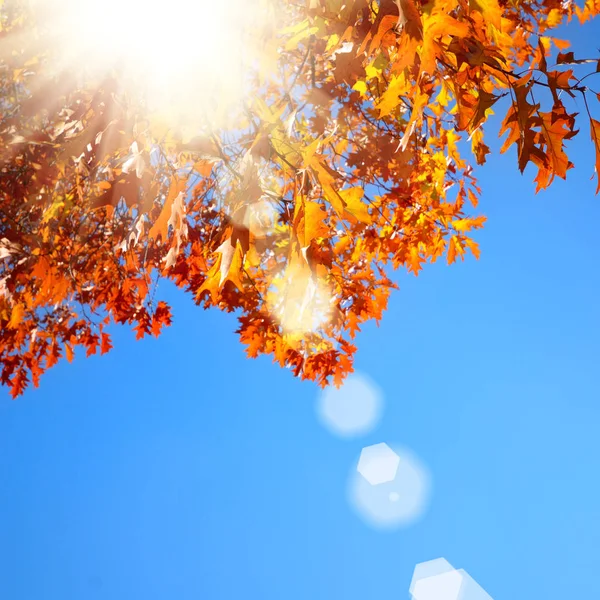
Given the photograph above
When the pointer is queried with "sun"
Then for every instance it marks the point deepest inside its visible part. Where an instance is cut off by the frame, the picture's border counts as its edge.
(181, 56)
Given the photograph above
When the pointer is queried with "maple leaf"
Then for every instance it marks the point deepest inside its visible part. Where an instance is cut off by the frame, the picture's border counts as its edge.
(410, 18)
(490, 10)
(354, 205)
(388, 24)
(437, 25)
(388, 101)
(310, 222)
(327, 182)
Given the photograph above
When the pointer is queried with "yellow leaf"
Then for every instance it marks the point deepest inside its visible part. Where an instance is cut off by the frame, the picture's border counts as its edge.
(285, 151)
(372, 71)
(53, 210)
(467, 224)
(159, 129)
(332, 41)
(554, 17)
(232, 261)
(361, 87)
(294, 29)
(310, 222)
(308, 153)
(211, 283)
(490, 10)
(391, 97)
(265, 112)
(253, 257)
(229, 266)
(443, 98)
(354, 204)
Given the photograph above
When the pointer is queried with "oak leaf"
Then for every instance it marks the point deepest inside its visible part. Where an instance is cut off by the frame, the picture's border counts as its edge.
(161, 225)
(350, 137)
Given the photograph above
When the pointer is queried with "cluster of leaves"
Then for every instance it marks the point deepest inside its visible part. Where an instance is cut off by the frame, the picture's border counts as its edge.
(347, 158)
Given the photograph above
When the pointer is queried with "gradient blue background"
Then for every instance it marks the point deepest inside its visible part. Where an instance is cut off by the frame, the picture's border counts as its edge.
(177, 469)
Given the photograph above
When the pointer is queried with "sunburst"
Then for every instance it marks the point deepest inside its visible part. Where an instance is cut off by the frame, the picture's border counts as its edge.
(187, 60)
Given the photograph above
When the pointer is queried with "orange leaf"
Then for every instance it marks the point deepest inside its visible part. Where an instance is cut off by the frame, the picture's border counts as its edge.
(456, 248)
(16, 316)
(490, 10)
(595, 131)
(230, 264)
(415, 260)
(410, 17)
(204, 167)
(386, 25)
(327, 183)
(310, 224)
(105, 345)
(161, 225)
(69, 352)
(472, 109)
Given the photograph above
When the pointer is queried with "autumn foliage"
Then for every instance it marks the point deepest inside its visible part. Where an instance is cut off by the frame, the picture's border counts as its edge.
(354, 150)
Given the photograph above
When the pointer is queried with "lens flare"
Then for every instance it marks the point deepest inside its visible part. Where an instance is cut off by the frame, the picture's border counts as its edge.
(390, 487)
(353, 409)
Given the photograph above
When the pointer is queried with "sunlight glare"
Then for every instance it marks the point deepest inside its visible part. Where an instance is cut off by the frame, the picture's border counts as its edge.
(301, 303)
(183, 55)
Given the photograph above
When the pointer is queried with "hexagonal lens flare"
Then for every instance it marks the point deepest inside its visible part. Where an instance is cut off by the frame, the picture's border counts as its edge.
(390, 487)
(352, 410)
(439, 580)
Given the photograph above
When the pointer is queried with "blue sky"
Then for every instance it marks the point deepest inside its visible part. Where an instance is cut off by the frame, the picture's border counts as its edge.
(176, 468)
